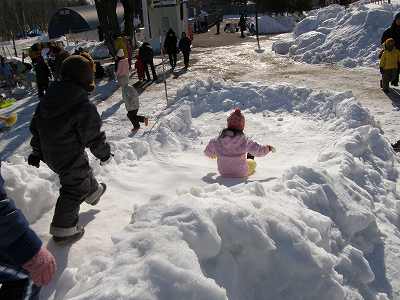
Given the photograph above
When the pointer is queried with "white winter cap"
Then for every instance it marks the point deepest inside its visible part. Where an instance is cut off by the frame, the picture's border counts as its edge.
(120, 53)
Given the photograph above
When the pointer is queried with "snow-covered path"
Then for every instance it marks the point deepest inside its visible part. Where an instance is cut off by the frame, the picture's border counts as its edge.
(164, 167)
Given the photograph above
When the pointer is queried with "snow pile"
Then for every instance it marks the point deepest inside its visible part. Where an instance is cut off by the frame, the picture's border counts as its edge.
(309, 235)
(33, 190)
(100, 51)
(347, 36)
(278, 24)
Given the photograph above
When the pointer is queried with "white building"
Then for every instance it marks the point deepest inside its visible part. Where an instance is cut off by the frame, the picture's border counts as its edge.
(161, 15)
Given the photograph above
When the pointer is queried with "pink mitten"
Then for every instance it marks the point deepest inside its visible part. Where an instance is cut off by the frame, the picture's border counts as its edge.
(41, 267)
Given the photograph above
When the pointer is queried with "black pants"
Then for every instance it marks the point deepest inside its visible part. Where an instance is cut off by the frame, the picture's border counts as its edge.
(172, 59)
(395, 81)
(42, 87)
(16, 284)
(77, 183)
(186, 58)
(135, 118)
(153, 70)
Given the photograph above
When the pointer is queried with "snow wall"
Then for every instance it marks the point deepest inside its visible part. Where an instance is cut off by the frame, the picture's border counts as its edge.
(349, 36)
(315, 234)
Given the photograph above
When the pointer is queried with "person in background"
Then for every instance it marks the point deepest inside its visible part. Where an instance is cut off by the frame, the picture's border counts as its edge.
(129, 48)
(43, 75)
(6, 71)
(147, 55)
(59, 56)
(170, 46)
(139, 66)
(185, 46)
(132, 107)
(122, 71)
(220, 19)
(393, 32)
(242, 25)
(389, 63)
(25, 264)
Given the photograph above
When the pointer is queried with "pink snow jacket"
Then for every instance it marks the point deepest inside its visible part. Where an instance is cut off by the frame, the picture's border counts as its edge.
(123, 68)
(231, 153)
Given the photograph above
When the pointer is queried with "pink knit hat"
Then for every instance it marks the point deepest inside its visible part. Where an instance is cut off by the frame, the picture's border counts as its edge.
(236, 120)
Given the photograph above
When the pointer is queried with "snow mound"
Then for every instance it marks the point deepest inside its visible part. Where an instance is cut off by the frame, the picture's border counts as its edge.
(310, 235)
(32, 189)
(100, 51)
(278, 24)
(347, 36)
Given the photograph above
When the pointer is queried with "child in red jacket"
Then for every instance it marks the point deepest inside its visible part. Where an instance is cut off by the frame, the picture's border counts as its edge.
(139, 66)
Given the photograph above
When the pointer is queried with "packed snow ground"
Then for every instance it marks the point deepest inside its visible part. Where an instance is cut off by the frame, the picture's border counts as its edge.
(347, 36)
(170, 228)
(305, 219)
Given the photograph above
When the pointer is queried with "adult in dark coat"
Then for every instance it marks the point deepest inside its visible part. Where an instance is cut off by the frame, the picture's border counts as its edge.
(59, 55)
(43, 75)
(170, 46)
(25, 264)
(393, 32)
(64, 124)
(242, 25)
(184, 46)
(147, 55)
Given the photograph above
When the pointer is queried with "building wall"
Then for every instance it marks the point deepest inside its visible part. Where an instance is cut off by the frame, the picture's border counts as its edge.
(161, 19)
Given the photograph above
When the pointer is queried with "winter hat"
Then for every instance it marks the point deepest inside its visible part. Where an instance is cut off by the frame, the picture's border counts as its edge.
(390, 42)
(79, 70)
(236, 120)
(120, 53)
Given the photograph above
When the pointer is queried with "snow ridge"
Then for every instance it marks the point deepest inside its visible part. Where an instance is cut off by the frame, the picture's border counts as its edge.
(347, 36)
(313, 234)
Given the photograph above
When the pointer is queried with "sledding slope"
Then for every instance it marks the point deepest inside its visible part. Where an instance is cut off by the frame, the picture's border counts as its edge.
(347, 36)
(311, 223)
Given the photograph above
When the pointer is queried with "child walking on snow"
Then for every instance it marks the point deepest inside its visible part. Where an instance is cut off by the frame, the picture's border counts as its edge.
(389, 62)
(64, 124)
(232, 148)
(132, 106)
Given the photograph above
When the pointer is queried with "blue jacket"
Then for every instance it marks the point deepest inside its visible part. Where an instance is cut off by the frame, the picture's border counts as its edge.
(6, 70)
(18, 243)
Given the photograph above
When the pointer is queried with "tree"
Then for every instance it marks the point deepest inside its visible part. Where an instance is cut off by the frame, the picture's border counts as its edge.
(107, 14)
(19, 16)
(128, 17)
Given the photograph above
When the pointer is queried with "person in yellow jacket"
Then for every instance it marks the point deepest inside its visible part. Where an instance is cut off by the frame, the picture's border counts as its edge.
(389, 62)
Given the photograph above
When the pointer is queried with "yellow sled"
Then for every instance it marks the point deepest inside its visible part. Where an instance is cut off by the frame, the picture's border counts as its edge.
(10, 120)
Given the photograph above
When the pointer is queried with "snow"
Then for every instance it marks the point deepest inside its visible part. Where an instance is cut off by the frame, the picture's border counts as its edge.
(318, 220)
(309, 221)
(277, 24)
(347, 36)
(100, 51)
(310, 227)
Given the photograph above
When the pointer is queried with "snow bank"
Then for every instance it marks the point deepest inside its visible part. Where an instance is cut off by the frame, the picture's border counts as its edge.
(307, 236)
(33, 190)
(279, 24)
(347, 36)
(100, 51)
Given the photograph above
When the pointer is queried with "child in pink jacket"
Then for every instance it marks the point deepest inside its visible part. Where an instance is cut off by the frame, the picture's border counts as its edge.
(232, 147)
